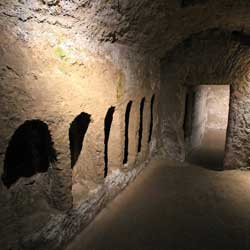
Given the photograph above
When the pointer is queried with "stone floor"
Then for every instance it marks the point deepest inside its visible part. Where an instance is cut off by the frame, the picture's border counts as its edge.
(173, 206)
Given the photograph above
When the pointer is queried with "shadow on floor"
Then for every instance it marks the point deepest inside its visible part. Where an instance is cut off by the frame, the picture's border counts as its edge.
(211, 152)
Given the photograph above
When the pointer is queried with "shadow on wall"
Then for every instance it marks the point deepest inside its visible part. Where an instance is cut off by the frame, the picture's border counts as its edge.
(30, 151)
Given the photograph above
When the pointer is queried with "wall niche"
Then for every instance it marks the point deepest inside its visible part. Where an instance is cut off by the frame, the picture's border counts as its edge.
(140, 125)
(107, 126)
(127, 116)
(151, 125)
(30, 151)
(77, 131)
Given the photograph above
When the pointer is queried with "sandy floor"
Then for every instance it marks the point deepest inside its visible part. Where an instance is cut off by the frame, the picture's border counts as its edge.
(173, 206)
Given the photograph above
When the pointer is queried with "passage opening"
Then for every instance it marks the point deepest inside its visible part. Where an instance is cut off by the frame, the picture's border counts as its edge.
(77, 131)
(107, 125)
(30, 151)
(141, 124)
(151, 118)
(127, 115)
(205, 144)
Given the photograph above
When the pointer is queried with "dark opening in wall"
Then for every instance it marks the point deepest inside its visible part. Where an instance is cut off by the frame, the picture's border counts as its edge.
(77, 131)
(189, 3)
(188, 116)
(141, 124)
(239, 36)
(30, 151)
(127, 115)
(151, 118)
(185, 120)
(107, 125)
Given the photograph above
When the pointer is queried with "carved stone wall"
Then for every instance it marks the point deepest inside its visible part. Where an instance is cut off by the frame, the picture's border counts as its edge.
(47, 75)
(212, 57)
(116, 73)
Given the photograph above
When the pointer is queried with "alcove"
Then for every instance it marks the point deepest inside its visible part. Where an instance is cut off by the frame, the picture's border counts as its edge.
(127, 115)
(77, 131)
(107, 126)
(151, 117)
(30, 151)
(140, 125)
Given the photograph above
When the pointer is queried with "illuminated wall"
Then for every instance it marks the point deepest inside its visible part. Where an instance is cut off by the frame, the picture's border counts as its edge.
(217, 107)
(68, 144)
(92, 90)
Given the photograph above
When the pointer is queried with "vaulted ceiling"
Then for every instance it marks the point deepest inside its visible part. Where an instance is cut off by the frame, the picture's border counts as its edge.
(150, 26)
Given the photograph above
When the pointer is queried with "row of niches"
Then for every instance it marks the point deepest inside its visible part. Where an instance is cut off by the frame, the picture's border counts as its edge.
(31, 148)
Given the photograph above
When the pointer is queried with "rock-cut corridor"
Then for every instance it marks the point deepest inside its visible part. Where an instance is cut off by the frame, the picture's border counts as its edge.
(177, 206)
(97, 94)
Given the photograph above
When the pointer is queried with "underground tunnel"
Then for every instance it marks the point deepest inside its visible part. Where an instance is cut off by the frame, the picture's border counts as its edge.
(125, 124)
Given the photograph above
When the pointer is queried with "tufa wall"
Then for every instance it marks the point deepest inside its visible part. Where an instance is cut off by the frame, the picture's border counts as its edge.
(199, 113)
(217, 107)
(213, 57)
(90, 90)
(77, 125)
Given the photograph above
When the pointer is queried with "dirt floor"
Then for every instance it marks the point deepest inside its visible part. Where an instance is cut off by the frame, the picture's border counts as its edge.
(211, 152)
(177, 206)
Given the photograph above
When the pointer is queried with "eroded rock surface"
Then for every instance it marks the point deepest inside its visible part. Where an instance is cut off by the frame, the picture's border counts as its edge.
(61, 58)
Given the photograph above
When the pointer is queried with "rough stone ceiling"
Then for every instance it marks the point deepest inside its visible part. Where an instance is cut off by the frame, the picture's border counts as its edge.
(151, 26)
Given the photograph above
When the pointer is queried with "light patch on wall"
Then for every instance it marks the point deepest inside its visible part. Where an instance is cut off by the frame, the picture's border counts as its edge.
(217, 107)
(119, 87)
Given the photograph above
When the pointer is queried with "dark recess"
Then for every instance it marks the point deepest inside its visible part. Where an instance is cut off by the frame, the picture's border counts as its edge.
(77, 131)
(30, 151)
(151, 118)
(127, 115)
(189, 113)
(186, 120)
(240, 37)
(107, 125)
(190, 3)
(141, 124)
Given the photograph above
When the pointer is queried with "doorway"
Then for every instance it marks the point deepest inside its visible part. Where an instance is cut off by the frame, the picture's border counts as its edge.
(205, 125)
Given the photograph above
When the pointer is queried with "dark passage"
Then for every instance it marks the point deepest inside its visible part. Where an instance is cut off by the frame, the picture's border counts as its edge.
(127, 114)
(151, 118)
(107, 125)
(30, 151)
(141, 124)
(77, 131)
